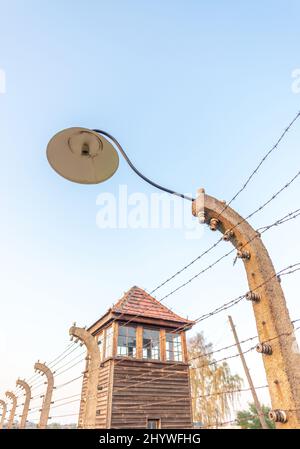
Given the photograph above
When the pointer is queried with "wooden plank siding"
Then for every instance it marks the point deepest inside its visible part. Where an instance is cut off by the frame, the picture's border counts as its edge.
(103, 395)
(168, 395)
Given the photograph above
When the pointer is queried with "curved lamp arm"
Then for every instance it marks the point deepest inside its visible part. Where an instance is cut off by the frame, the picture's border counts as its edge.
(118, 145)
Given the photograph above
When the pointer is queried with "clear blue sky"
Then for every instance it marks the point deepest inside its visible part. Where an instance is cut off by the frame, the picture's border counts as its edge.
(197, 92)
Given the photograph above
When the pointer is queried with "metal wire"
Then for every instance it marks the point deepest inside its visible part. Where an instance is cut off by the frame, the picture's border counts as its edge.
(240, 390)
(231, 251)
(213, 362)
(254, 172)
(287, 217)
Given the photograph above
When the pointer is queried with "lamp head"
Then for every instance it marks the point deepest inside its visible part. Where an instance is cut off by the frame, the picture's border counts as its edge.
(83, 156)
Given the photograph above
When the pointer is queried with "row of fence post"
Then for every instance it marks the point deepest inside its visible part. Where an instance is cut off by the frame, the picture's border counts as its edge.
(88, 414)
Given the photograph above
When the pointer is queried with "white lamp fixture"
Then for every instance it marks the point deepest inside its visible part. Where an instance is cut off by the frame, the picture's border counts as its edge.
(83, 156)
(89, 157)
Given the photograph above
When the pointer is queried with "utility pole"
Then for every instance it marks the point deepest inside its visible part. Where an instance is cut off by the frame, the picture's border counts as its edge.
(274, 326)
(247, 372)
(90, 381)
(13, 398)
(3, 405)
(24, 385)
(44, 370)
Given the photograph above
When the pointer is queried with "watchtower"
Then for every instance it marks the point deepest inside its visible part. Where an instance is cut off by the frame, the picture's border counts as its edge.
(144, 373)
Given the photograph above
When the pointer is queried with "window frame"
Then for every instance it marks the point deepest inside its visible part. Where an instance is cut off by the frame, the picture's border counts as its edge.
(156, 420)
(174, 354)
(127, 337)
(158, 341)
(109, 338)
(101, 341)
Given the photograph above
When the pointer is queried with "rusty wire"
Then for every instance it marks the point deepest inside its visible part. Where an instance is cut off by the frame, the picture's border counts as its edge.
(213, 362)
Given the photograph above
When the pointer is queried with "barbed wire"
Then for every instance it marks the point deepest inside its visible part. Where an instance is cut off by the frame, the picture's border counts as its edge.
(287, 217)
(213, 362)
(63, 355)
(192, 398)
(210, 266)
(282, 272)
(265, 157)
(70, 361)
(69, 346)
(69, 382)
(70, 367)
(63, 416)
(65, 403)
(228, 204)
(205, 365)
(231, 229)
(284, 219)
(291, 269)
(31, 380)
(67, 397)
(235, 421)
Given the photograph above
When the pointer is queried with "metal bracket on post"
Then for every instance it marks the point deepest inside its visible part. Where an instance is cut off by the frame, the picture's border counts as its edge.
(43, 369)
(199, 206)
(89, 399)
(271, 314)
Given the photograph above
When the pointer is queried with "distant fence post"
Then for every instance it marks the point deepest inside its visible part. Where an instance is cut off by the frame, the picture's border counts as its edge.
(93, 364)
(13, 398)
(42, 368)
(24, 385)
(4, 408)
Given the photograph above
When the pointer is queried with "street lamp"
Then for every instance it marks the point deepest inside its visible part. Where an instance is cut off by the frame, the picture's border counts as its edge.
(89, 157)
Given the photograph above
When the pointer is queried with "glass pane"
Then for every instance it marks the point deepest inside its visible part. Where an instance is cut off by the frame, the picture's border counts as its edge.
(173, 347)
(153, 424)
(127, 341)
(108, 343)
(122, 330)
(151, 344)
(100, 344)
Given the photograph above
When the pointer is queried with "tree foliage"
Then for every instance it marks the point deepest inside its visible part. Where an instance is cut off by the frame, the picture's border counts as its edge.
(208, 381)
(248, 419)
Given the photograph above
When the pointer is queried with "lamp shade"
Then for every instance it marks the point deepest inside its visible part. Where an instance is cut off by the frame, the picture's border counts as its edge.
(83, 156)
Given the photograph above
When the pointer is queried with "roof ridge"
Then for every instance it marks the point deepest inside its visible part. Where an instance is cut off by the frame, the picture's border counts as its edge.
(126, 298)
(133, 300)
(163, 305)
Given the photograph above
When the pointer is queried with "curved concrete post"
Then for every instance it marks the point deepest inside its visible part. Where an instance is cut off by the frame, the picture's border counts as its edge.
(4, 408)
(282, 366)
(13, 398)
(42, 368)
(24, 385)
(89, 418)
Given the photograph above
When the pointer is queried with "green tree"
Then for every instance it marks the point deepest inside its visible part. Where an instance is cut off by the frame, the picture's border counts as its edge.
(209, 381)
(248, 419)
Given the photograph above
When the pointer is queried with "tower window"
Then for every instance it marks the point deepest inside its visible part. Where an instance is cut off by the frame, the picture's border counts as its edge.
(127, 341)
(109, 342)
(151, 344)
(100, 344)
(173, 347)
(153, 423)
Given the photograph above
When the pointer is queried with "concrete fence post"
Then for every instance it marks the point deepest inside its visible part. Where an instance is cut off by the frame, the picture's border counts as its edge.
(44, 370)
(24, 385)
(93, 364)
(4, 408)
(281, 360)
(13, 398)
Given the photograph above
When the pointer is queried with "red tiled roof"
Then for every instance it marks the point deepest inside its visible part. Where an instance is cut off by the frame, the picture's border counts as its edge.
(138, 302)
